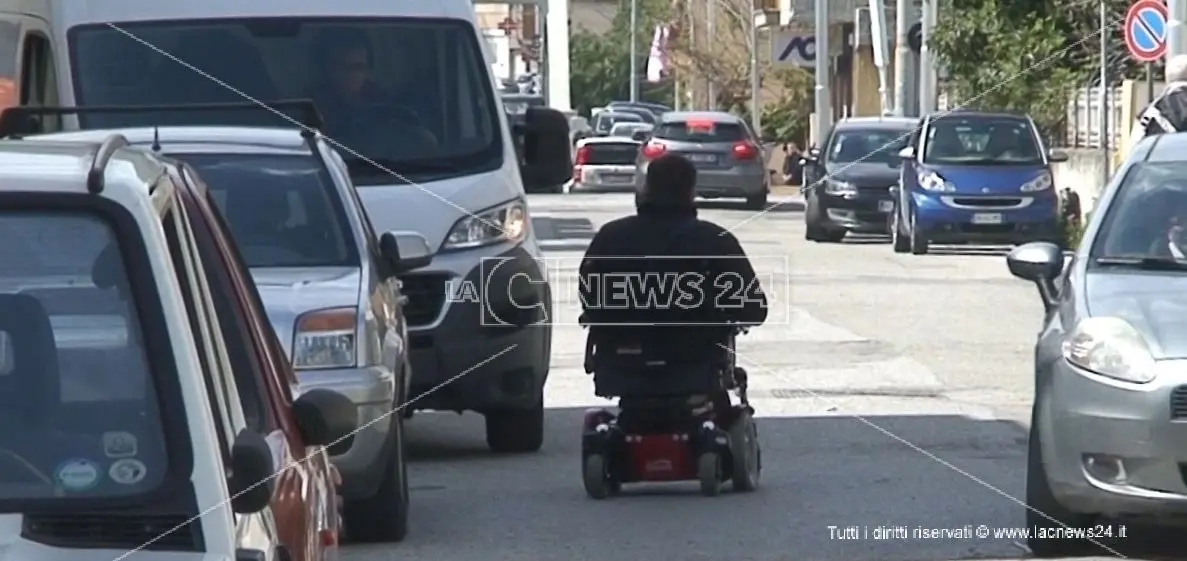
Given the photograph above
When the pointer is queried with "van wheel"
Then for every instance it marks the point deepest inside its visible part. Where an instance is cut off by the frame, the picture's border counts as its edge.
(515, 431)
(384, 516)
(1040, 498)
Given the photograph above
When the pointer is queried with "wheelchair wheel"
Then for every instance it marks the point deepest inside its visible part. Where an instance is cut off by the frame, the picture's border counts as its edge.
(597, 480)
(745, 453)
(709, 473)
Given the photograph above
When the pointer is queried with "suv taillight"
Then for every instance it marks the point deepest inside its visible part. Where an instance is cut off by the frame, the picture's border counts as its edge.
(653, 150)
(744, 151)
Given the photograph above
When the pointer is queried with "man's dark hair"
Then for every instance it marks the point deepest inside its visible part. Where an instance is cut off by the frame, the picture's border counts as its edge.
(671, 180)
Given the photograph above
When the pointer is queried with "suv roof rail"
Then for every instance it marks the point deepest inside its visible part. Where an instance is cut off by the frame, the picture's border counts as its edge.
(107, 149)
(20, 120)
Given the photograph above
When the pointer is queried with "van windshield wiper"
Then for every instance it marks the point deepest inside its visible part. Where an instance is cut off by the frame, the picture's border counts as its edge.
(1143, 263)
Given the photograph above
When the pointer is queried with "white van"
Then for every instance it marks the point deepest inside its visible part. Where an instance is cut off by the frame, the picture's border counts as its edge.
(405, 87)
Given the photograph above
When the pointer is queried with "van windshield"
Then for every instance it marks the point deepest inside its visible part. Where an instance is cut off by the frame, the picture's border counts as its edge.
(412, 95)
(79, 410)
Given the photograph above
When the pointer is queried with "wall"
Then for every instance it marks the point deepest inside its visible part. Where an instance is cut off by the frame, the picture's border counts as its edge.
(1083, 173)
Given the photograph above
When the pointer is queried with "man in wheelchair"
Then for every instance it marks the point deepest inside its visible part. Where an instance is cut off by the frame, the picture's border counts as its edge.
(664, 294)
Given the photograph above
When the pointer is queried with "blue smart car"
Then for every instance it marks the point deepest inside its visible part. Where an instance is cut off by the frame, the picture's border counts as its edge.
(973, 177)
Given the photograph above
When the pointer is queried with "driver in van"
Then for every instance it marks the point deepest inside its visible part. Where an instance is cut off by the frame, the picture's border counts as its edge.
(354, 106)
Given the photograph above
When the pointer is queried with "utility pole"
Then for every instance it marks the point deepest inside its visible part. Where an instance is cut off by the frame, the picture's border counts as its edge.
(902, 55)
(755, 80)
(710, 32)
(1177, 12)
(824, 112)
(1104, 92)
(927, 61)
(634, 50)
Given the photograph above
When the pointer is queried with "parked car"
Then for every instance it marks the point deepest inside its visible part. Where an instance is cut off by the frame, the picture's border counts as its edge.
(141, 383)
(658, 109)
(605, 164)
(847, 186)
(975, 177)
(455, 176)
(628, 130)
(606, 120)
(327, 280)
(1110, 407)
(648, 116)
(724, 149)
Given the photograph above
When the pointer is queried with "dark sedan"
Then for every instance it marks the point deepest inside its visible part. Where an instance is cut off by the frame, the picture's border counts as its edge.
(847, 183)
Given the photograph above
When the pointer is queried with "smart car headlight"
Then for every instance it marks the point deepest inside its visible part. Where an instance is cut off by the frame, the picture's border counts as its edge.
(1042, 182)
(504, 223)
(1110, 346)
(932, 181)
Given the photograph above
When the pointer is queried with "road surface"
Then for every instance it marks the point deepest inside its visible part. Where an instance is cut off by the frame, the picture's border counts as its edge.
(894, 391)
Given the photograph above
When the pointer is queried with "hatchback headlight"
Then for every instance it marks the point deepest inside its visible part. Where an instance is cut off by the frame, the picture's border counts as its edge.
(1110, 346)
(1040, 183)
(504, 223)
(325, 339)
(843, 188)
(932, 181)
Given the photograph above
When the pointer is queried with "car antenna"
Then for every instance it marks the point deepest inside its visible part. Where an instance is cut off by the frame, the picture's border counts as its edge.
(156, 139)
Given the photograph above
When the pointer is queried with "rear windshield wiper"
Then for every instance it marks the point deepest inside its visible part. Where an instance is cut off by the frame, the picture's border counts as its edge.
(1143, 263)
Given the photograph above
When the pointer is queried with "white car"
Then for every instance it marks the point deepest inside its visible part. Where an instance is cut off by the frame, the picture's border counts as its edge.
(605, 163)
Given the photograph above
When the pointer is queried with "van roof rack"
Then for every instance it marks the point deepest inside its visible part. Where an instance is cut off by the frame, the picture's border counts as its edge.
(103, 155)
(21, 120)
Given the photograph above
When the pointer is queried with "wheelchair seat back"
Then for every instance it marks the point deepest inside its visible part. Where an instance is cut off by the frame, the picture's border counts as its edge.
(660, 362)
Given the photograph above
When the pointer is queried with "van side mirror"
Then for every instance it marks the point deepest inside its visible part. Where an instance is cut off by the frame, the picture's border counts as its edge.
(1040, 263)
(405, 251)
(1056, 156)
(325, 417)
(547, 154)
(907, 153)
(252, 469)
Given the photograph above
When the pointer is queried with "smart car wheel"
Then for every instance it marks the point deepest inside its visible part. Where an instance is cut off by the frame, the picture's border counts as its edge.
(918, 241)
(384, 516)
(901, 243)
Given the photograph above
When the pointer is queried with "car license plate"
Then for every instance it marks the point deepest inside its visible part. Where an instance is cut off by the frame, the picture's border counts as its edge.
(618, 179)
(885, 206)
(987, 218)
(702, 158)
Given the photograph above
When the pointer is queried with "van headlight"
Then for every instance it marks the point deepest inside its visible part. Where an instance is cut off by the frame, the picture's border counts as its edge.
(931, 181)
(1040, 183)
(325, 339)
(1111, 347)
(504, 223)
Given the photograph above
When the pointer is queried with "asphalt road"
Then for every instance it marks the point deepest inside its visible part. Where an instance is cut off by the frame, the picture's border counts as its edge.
(893, 390)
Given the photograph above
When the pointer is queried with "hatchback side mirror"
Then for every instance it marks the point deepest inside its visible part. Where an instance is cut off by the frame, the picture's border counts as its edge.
(325, 417)
(907, 153)
(1040, 263)
(252, 469)
(405, 251)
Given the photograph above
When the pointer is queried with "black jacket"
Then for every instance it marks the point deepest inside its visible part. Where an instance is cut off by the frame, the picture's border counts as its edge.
(700, 280)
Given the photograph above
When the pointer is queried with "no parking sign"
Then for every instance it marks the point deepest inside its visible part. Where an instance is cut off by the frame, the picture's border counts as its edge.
(1145, 30)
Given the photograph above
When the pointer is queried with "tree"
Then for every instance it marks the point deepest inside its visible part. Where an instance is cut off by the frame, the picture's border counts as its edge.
(1004, 55)
(600, 64)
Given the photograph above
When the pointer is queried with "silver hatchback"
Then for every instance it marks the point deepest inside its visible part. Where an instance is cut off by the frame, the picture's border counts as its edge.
(727, 154)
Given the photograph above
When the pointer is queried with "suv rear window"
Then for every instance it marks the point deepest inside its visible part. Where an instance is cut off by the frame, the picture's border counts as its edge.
(611, 154)
(690, 131)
